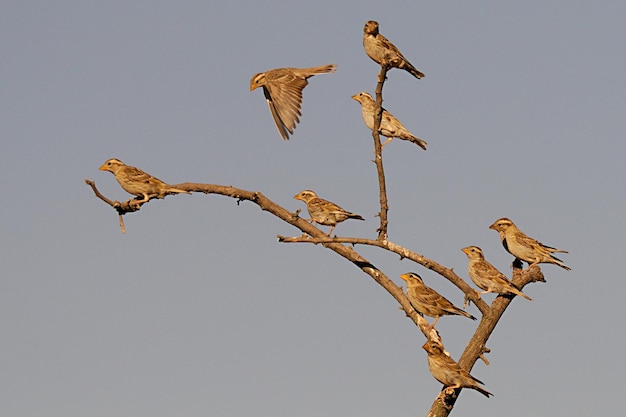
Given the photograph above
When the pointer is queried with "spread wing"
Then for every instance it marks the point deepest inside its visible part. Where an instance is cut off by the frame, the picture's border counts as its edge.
(284, 98)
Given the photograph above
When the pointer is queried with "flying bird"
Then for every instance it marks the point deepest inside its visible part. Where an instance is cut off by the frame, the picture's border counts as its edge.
(282, 88)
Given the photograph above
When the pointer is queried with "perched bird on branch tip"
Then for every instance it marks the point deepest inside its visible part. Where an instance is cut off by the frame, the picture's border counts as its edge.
(486, 276)
(383, 52)
(323, 211)
(390, 127)
(428, 301)
(139, 183)
(525, 248)
(445, 370)
(282, 88)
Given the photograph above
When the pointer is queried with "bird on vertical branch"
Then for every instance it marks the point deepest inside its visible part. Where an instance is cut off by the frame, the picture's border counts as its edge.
(385, 53)
(524, 247)
(447, 371)
(390, 127)
(486, 276)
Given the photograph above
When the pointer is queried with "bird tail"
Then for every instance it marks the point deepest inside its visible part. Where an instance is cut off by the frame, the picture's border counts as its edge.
(466, 314)
(174, 190)
(414, 71)
(553, 250)
(560, 263)
(482, 391)
(521, 294)
(419, 142)
(323, 69)
(355, 216)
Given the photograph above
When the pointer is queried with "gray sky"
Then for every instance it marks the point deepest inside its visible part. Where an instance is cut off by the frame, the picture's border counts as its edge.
(198, 310)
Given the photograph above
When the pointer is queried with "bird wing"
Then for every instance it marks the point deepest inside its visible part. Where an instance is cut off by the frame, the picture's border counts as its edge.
(137, 175)
(488, 271)
(427, 295)
(284, 97)
(393, 52)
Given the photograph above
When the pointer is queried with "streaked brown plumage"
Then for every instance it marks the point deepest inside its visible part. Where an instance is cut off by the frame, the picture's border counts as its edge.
(448, 372)
(323, 211)
(390, 127)
(428, 301)
(282, 88)
(139, 183)
(525, 248)
(383, 52)
(486, 276)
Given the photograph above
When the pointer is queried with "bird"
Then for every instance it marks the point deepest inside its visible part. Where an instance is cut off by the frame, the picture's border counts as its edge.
(429, 302)
(486, 276)
(324, 212)
(282, 88)
(385, 53)
(526, 248)
(445, 370)
(139, 183)
(390, 127)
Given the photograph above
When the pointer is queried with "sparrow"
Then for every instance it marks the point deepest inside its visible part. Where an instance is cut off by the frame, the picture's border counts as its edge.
(385, 53)
(139, 183)
(448, 372)
(525, 248)
(283, 91)
(427, 301)
(390, 127)
(323, 211)
(486, 276)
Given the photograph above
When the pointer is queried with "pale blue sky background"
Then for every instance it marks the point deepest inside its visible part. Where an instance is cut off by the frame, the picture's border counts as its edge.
(198, 311)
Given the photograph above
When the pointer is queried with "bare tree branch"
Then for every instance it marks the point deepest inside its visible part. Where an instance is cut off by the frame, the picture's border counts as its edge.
(344, 247)
(447, 273)
(378, 160)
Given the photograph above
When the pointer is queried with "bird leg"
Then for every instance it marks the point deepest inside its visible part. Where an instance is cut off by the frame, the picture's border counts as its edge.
(529, 267)
(137, 203)
(432, 326)
(382, 145)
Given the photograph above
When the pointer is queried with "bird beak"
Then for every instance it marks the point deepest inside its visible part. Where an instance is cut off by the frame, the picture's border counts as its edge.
(404, 277)
(297, 197)
(465, 251)
(103, 167)
(493, 226)
(252, 87)
(355, 97)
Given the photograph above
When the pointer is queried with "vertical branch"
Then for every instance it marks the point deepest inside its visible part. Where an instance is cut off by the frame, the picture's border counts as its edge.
(378, 150)
(477, 344)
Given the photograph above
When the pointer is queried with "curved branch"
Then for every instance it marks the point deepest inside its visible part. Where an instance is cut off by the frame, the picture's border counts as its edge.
(491, 315)
(447, 273)
(477, 344)
(293, 219)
